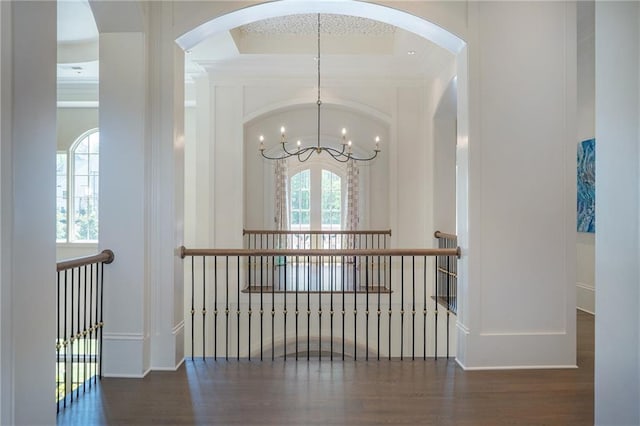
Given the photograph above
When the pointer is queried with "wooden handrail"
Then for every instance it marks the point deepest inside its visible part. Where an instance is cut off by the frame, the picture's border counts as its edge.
(439, 234)
(318, 252)
(314, 232)
(106, 256)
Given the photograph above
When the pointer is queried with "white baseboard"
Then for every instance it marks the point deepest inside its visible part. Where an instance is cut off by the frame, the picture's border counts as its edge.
(586, 297)
(169, 368)
(122, 355)
(127, 376)
(517, 367)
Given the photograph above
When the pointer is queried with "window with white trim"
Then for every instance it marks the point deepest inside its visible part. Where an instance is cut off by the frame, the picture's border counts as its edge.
(62, 191)
(77, 190)
(316, 200)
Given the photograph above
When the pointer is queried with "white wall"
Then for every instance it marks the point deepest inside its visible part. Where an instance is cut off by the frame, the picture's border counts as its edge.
(123, 98)
(6, 218)
(519, 238)
(617, 363)
(32, 246)
(585, 242)
(410, 178)
(72, 123)
(228, 174)
(444, 166)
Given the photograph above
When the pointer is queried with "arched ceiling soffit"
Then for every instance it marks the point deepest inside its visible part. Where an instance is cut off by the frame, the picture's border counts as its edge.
(327, 103)
(228, 17)
(360, 48)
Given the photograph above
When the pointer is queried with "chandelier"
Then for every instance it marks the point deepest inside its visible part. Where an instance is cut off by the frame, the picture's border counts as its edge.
(304, 153)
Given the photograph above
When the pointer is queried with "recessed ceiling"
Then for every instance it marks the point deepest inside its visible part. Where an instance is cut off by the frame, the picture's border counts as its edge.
(307, 24)
(286, 46)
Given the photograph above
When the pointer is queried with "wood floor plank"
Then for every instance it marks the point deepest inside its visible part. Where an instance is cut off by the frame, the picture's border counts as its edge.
(340, 393)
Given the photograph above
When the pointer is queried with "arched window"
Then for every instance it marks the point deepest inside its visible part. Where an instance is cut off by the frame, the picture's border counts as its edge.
(78, 190)
(316, 200)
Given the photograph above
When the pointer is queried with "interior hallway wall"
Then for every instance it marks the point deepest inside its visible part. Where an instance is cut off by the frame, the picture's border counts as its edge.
(617, 363)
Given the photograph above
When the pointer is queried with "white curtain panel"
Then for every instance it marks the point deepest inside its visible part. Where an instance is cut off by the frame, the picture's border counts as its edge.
(353, 200)
(281, 199)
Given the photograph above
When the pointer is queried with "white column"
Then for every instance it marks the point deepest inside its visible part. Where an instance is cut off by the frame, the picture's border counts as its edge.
(200, 182)
(444, 160)
(414, 185)
(166, 189)
(28, 243)
(6, 218)
(517, 286)
(617, 366)
(228, 163)
(124, 201)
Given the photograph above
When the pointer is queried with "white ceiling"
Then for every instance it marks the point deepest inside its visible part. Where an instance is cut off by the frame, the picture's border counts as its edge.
(77, 42)
(75, 21)
(279, 47)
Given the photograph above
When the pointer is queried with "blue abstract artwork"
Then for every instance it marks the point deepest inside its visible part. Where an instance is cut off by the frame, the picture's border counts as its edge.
(587, 186)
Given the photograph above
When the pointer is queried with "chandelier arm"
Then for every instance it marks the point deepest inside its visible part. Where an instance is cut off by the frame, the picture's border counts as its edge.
(283, 157)
(309, 150)
(289, 153)
(337, 155)
(375, 154)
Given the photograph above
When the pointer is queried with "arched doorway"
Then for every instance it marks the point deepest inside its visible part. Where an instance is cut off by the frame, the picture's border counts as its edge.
(256, 13)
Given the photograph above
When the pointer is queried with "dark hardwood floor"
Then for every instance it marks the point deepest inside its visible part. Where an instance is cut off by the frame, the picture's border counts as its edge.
(340, 393)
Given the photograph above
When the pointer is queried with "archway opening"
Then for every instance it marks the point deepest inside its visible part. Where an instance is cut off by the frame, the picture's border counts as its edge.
(233, 105)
